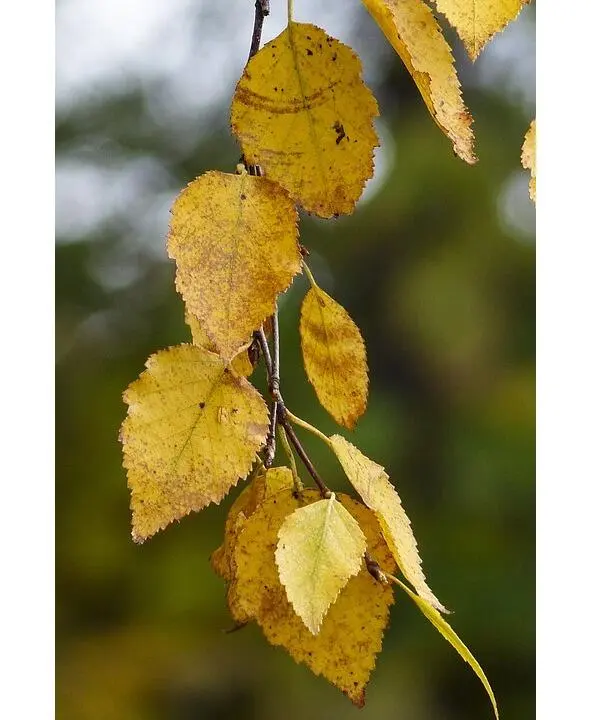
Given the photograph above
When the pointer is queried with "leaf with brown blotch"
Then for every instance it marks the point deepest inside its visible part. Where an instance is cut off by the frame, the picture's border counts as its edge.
(528, 157)
(334, 357)
(303, 113)
(345, 649)
(415, 35)
(192, 431)
(478, 20)
(377, 492)
(320, 547)
(234, 239)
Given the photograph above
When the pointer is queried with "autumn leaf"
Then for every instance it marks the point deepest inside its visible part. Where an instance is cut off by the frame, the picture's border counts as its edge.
(302, 112)
(478, 20)
(319, 548)
(241, 364)
(234, 238)
(265, 484)
(345, 648)
(415, 35)
(452, 638)
(377, 492)
(334, 357)
(221, 558)
(528, 157)
(192, 431)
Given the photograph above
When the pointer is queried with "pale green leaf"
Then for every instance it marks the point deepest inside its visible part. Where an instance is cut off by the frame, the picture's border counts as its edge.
(452, 638)
(320, 546)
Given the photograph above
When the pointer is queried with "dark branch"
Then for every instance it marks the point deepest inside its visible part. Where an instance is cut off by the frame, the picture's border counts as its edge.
(297, 446)
(261, 9)
(273, 381)
(275, 374)
(261, 338)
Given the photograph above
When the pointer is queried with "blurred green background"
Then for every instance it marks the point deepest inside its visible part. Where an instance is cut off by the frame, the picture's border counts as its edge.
(437, 268)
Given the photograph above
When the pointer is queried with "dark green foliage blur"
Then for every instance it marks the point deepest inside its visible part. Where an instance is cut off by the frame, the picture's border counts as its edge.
(443, 291)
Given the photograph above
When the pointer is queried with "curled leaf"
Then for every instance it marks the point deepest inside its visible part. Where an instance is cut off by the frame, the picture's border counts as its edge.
(415, 35)
(452, 638)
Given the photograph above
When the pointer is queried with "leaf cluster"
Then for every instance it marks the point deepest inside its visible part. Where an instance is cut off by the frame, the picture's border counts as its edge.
(315, 570)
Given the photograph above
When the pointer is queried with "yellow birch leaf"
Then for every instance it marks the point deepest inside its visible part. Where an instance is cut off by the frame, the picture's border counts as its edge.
(269, 483)
(377, 492)
(478, 20)
(345, 649)
(452, 638)
(265, 484)
(528, 157)
(192, 431)
(234, 239)
(240, 364)
(414, 33)
(319, 548)
(302, 112)
(334, 357)
(221, 557)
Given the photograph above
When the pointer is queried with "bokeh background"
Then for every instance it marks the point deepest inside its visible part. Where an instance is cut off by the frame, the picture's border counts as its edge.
(437, 268)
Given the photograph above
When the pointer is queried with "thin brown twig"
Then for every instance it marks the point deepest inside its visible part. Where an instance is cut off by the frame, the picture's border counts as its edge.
(260, 337)
(271, 444)
(275, 372)
(261, 10)
(273, 382)
(297, 446)
(274, 385)
(279, 414)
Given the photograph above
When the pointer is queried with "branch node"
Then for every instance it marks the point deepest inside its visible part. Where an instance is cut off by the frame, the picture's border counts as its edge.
(375, 570)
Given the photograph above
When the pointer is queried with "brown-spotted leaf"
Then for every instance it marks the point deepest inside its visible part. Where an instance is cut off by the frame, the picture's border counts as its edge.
(234, 239)
(302, 112)
(192, 431)
(345, 649)
(334, 357)
(377, 492)
(415, 35)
